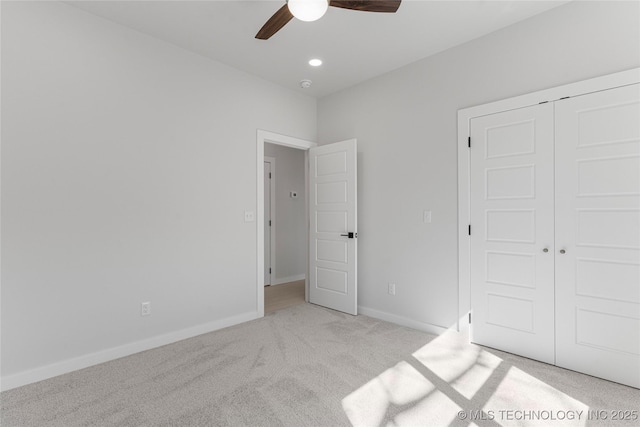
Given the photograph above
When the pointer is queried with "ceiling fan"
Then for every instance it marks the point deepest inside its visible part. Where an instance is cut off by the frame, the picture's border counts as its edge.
(311, 10)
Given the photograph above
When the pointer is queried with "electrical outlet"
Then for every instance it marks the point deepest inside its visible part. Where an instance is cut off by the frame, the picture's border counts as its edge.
(392, 288)
(249, 216)
(426, 217)
(145, 309)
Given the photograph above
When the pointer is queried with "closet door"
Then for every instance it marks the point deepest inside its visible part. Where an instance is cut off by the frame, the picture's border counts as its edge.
(512, 234)
(598, 234)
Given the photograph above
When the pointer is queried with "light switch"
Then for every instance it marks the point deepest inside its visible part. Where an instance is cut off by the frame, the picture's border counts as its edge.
(426, 217)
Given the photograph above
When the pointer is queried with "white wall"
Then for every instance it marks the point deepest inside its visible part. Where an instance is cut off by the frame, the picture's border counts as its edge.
(405, 122)
(290, 235)
(127, 165)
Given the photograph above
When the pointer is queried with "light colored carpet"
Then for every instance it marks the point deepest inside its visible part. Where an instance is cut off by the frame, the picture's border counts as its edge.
(278, 297)
(308, 366)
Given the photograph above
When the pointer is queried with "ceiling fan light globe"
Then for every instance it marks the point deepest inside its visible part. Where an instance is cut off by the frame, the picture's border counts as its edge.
(308, 10)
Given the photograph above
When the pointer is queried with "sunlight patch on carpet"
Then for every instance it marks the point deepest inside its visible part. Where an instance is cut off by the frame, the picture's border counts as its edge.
(522, 399)
(452, 382)
(401, 390)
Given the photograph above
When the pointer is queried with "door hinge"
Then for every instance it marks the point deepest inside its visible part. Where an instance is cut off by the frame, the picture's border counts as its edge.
(269, 223)
(269, 175)
(469, 229)
(270, 273)
(543, 102)
(469, 317)
(564, 97)
(469, 142)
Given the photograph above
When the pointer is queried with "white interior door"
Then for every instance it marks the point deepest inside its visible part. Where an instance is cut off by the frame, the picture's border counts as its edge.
(598, 234)
(512, 231)
(267, 223)
(333, 226)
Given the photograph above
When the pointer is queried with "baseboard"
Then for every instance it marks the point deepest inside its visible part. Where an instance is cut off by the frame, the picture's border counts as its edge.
(42, 373)
(403, 321)
(282, 280)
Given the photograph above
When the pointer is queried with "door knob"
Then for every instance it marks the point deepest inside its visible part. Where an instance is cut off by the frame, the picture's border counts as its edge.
(350, 235)
(545, 250)
(562, 251)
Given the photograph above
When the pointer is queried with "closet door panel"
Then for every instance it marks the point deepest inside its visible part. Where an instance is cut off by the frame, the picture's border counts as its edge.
(598, 228)
(512, 223)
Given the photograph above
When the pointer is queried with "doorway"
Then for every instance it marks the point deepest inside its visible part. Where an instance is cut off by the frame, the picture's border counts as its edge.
(285, 244)
(331, 221)
(286, 141)
(285, 215)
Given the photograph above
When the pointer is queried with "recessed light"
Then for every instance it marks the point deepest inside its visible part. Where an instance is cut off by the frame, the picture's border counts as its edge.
(315, 62)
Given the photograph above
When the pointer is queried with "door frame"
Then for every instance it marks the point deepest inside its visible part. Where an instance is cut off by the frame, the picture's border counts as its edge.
(465, 115)
(263, 136)
(272, 213)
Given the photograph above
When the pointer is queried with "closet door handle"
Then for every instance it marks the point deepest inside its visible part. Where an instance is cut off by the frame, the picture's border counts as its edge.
(562, 251)
(545, 250)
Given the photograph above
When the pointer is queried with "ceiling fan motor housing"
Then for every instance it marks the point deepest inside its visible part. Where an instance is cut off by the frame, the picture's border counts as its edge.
(310, 10)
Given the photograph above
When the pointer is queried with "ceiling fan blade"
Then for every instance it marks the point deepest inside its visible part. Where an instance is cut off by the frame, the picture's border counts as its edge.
(273, 25)
(388, 6)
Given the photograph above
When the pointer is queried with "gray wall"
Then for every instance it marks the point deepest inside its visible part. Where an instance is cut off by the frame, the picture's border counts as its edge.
(290, 235)
(405, 122)
(127, 165)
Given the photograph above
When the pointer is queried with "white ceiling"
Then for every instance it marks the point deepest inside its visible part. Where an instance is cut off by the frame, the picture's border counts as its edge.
(355, 46)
